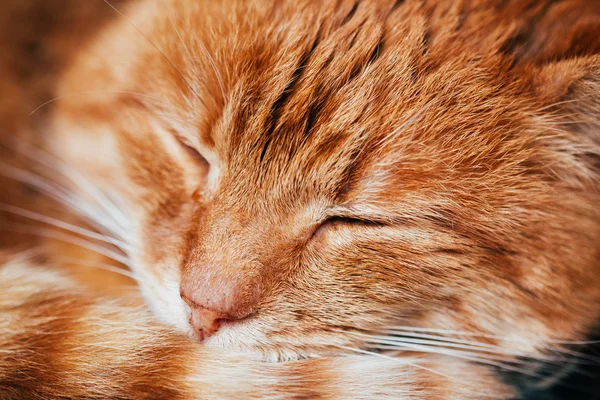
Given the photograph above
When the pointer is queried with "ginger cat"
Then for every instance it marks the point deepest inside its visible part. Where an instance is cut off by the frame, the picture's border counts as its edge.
(320, 199)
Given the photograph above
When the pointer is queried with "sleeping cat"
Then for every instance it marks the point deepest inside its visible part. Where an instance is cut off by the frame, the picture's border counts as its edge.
(320, 199)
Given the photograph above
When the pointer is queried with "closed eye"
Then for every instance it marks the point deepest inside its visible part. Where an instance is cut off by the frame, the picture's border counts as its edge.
(352, 221)
(202, 168)
(339, 221)
(195, 154)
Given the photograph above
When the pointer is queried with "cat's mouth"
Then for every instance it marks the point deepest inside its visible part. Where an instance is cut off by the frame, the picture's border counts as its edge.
(271, 337)
(250, 336)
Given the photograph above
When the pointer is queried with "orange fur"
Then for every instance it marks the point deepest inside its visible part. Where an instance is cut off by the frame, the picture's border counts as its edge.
(326, 171)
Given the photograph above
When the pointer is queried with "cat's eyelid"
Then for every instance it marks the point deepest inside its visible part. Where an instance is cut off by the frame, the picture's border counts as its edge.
(353, 217)
(347, 219)
(365, 214)
(206, 158)
(355, 221)
(192, 144)
(189, 141)
(193, 147)
(193, 151)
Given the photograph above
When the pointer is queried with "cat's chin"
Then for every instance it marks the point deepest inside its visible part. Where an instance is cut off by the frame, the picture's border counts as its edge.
(268, 354)
(254, 344)
(245, 339)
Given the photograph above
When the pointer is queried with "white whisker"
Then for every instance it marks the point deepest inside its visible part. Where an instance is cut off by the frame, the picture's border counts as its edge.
(98, 91)
(57, 193)
(414, 365)
(67, 238)
(48, 160)
(481, 352)
(371, 353)
(63, 225)
(469, 356)
(564, 356)
(402, 329)
(213, 64)
(187, 50)
(157, 49)
(99, 265)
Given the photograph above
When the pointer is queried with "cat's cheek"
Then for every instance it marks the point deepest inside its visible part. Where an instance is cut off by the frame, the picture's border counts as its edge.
(161, 294)
(155, 262)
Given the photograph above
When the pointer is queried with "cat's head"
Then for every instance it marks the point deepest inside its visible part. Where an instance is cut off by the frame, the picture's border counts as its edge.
(306, 173)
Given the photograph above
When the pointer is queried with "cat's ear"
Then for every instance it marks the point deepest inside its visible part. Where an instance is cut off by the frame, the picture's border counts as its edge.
(570, 89)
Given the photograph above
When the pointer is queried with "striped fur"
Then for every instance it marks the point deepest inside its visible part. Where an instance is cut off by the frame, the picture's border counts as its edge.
(58, 341)
(413, 181)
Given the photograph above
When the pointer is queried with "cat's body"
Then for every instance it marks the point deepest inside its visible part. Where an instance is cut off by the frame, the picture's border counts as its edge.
(61, 342)
(296, 179)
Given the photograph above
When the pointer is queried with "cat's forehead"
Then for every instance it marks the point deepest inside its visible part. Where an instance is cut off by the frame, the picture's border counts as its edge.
(318, 96)
(315, 98)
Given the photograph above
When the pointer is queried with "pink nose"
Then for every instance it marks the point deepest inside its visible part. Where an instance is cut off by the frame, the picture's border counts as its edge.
(215, 298)
(204, 321)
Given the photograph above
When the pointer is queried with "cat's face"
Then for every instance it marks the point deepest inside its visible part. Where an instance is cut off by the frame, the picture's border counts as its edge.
(321, 170)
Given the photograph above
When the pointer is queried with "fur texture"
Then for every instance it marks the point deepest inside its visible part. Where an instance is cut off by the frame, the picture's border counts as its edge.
(59, 342)
(333, 172)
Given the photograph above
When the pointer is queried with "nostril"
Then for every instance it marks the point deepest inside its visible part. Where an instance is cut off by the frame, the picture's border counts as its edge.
(204, 321)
